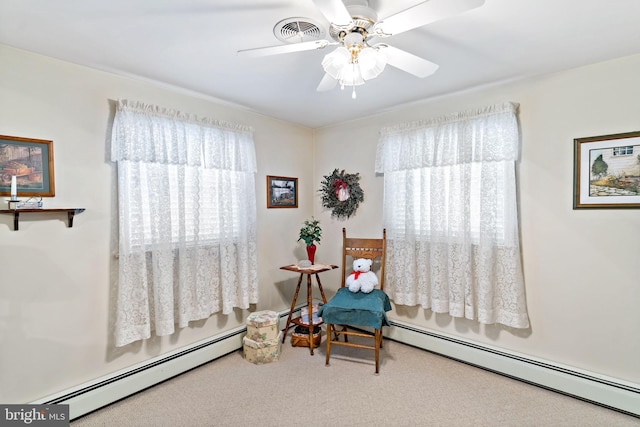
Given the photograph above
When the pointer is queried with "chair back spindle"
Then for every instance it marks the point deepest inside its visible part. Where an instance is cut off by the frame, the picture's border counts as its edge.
(373, 249)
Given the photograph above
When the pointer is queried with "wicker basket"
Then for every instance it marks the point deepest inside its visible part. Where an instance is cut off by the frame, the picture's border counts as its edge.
(300, 336)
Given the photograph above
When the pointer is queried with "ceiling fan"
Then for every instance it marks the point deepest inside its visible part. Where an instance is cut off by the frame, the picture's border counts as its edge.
(354, 26)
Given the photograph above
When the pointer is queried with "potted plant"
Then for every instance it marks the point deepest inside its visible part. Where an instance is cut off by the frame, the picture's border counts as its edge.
(311, 234)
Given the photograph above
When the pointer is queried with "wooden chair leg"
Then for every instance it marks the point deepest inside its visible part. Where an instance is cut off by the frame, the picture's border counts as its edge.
(377, 345)
(328, 344)
(378, 342)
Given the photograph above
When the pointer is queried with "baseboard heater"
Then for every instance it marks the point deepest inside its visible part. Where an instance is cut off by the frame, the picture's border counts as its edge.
(103, 391)
(601, 390)
(598, 389)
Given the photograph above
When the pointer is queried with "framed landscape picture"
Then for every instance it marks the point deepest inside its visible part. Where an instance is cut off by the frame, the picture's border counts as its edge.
(282, 192)
(607, 171)
(31, 162)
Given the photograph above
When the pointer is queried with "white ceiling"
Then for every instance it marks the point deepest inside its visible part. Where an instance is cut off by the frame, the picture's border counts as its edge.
(192, 44)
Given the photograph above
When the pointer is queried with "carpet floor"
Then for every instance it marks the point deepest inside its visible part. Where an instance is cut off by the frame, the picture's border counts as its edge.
(414, 388)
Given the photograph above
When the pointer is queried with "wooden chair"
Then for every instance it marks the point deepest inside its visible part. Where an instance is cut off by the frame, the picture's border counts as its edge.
(358, 309)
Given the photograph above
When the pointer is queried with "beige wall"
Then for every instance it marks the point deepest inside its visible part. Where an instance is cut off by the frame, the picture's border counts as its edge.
(582, 287)
(580, 265)
(55, 281)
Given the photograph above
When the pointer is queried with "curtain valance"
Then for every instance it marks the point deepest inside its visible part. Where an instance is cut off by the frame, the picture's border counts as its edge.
(445, 140)
(153, 134)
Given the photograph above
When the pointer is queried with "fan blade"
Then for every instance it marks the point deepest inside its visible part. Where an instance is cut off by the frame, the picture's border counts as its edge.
(335, 11)
(285, 48)
(422, 14)
(327, 83)
(406, 61)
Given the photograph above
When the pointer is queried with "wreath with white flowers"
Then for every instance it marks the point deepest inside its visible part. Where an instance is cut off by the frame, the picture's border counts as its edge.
(341, 193)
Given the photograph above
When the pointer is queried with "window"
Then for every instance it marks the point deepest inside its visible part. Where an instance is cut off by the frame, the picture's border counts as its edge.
(622, 151)
(450, 211)
(413, 209)
(194, 208)
(187, 219)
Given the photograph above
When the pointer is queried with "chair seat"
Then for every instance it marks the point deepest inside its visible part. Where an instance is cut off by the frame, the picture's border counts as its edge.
(357, 308)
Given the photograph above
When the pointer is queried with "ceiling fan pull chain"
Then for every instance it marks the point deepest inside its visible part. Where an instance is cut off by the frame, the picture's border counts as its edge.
(355, 71)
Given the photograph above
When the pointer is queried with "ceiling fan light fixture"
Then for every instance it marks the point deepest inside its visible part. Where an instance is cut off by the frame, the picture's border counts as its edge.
(334, 62)
(372, 63)
(353, 64)
(351, 75)
(339, 65)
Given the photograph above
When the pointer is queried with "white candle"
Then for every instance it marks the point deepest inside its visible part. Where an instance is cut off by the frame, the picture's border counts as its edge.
(14, 188)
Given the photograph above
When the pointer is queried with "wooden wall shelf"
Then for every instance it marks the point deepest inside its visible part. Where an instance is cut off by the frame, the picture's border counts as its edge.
(16, 213)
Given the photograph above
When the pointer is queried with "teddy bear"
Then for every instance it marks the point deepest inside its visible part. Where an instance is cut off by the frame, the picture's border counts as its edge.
(362, 279)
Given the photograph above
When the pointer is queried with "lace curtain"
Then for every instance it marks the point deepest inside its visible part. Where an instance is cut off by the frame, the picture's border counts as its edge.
(450, 211)
(187, 219)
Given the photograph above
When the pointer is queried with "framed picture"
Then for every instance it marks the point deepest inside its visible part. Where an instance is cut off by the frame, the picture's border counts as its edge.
(282, 192)
(31, 162)
(607, 171)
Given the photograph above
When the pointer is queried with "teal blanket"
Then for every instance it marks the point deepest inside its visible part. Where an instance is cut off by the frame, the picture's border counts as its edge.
(357, 309)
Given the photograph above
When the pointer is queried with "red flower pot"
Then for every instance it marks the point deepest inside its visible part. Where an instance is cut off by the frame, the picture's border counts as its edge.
(311, 252)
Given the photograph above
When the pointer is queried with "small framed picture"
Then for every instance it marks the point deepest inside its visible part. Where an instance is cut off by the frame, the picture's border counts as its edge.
(282, 192)
(607, 171)
(30, 161)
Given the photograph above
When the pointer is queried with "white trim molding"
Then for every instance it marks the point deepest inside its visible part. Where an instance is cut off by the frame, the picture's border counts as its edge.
(599, 389)
(105, 390)
(595, 388)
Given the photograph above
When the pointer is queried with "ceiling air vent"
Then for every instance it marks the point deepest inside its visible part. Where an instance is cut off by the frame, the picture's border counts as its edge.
(297, 30)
